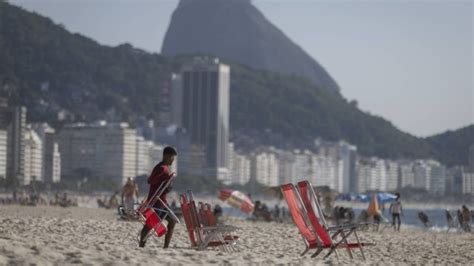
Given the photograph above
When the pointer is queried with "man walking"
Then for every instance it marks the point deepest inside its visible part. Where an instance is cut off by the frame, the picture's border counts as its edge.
(396, 210)
(160, 175)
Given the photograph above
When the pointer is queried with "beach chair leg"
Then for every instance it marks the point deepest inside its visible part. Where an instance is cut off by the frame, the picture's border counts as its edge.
(226, 247)
(304, 252)
(333, 248)
(203, 242)
(343, 240)
(307, 247)
(317, 252)
(360, 247)
(234, 245)
(349, 252)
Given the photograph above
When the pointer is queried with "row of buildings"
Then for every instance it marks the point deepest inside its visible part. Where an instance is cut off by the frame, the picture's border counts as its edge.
(112, 151)
(340, 168)
(35, 152)
(28, 152)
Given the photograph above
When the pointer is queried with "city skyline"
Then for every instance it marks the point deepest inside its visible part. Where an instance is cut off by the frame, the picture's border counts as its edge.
(426, 69)
(114, 151)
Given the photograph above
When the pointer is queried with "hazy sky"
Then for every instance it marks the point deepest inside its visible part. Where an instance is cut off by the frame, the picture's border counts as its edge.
(408, 61)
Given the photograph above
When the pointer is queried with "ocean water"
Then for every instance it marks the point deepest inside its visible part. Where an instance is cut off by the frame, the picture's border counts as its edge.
(437, 218)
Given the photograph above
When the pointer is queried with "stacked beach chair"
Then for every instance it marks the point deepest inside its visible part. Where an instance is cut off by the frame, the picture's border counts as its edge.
(202, 226)
(309, 219)
(154, 217)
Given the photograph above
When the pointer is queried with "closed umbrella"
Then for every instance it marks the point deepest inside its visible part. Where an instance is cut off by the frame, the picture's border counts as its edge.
(237, 200)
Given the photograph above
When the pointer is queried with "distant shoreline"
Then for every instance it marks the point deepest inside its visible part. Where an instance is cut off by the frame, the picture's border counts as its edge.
(407, 205)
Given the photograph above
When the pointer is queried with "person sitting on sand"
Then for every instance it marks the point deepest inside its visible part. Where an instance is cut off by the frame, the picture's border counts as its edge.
(466, 218)
(113, 201)
(64, 201)
(396, 210)
(217, 211)
(160, 174)
(129, 196)
(276, 212)
(424, 219)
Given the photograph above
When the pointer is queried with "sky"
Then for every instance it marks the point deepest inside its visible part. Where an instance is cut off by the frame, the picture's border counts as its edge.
(410, 62)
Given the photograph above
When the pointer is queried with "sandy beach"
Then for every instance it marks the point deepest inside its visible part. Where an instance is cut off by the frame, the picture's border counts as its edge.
(54, 235)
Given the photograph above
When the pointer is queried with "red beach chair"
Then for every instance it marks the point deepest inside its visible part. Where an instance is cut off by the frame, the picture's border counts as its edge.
(317, 220)
(313, 226)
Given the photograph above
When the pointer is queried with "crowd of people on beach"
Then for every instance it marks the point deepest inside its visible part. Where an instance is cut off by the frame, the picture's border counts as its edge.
(463, 219)
(263, 213)
(111, 202)
(460, 219)
(36, 198)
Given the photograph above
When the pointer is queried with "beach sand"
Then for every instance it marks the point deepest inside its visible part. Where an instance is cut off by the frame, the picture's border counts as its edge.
(54, 235)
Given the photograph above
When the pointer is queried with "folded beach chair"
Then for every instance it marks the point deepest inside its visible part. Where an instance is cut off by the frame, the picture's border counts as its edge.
(201, 235)
(191, 226)
(312, 225)
(153, 217)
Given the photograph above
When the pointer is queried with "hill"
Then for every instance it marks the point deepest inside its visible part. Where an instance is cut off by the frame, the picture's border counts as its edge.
(452, 147)
(52, 71)
(237, 31)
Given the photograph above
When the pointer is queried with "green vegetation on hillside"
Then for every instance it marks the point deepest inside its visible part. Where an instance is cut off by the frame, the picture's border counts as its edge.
(452, 147)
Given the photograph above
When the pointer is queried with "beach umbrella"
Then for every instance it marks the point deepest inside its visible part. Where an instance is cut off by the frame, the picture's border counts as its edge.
(363, 198)
(349, 196)
(237, 200)
(352, 196)
(384, 197)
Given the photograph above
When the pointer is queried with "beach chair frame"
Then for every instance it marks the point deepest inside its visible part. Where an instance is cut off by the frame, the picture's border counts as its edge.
(202, 236)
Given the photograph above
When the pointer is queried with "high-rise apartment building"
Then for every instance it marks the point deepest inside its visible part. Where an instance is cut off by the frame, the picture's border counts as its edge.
(265, 169)
(205, 111)
(33, 158)
(240, 169)
(3, 153)
(17, 132)
(51, 155)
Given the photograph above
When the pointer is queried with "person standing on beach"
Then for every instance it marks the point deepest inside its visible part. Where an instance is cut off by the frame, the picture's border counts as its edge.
(161, 174)
(396, 210)
(129, 196)
(466, 218)
(449, 220)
